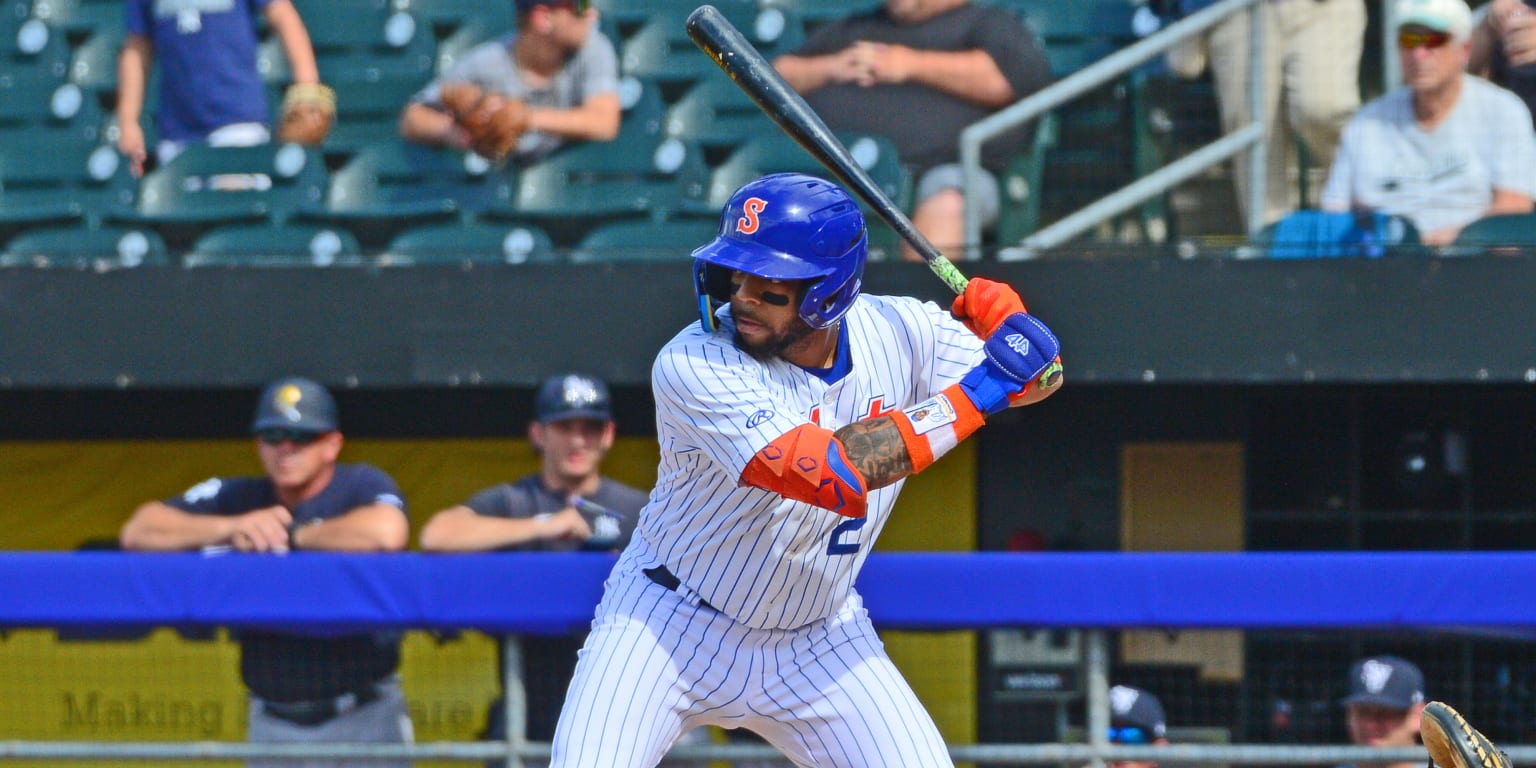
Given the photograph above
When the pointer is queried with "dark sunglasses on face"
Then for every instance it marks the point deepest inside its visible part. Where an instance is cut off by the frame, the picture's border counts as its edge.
(1409, 39)
(280, 436)
(1129, 734)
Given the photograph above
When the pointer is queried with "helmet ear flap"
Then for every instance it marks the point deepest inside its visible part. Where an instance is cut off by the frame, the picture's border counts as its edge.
(717, 283)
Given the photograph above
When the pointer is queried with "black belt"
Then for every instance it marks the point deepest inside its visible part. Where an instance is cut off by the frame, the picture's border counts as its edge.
(663, 577)
(317, 711)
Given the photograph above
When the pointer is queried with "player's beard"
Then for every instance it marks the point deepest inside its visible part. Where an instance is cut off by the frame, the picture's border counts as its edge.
(774, 346)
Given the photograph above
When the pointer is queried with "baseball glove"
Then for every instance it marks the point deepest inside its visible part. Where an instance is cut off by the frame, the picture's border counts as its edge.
(1453, 743)
(493, 122)
(309, 111)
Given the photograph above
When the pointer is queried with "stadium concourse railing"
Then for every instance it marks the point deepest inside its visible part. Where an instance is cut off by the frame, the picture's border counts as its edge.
(1483, 592)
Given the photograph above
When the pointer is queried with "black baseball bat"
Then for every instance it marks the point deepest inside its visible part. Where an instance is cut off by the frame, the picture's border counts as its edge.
(713, 33)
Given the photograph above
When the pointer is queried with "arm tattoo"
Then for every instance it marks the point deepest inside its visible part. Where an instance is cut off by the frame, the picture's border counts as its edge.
(876, 449)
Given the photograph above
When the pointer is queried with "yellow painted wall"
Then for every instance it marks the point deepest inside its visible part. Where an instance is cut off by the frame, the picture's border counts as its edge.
(166, 687)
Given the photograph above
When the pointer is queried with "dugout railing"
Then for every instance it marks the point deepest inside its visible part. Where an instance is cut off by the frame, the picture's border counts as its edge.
(1483, 593)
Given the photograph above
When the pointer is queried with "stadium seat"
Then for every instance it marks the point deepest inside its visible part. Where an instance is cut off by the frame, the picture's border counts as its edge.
(643, 109)
(395, 185)
(262, 245)
(815, 12)
(62, 169)
(342, 25)
(448, 16)
(81, 19)
(1076, 34)
(470, 244)
(93, 65)
(579, 187)
(31, 44)
(661, 49)
(1022, 184)
(717, 115)
(95, 248)
(205, 187)
(1506, 235)
(34, 94)
(671, 240)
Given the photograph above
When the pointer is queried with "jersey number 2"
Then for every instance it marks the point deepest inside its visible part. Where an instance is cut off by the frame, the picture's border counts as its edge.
(839, 547)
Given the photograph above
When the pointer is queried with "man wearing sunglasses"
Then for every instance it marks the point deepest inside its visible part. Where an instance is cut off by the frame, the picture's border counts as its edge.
(1444, 149)
(558, 64)
(303, 688)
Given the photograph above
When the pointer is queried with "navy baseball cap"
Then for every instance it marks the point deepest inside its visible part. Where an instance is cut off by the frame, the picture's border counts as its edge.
(1135, 708)
(295, 403)
(572, 396)
(1386, 681)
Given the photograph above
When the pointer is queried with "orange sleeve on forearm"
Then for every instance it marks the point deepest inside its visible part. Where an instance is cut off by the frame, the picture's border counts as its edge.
(931, 428)
(808, 464)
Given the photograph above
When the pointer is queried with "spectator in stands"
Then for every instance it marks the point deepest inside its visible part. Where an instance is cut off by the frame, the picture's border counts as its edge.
(1385, 702)
(1311, 85)
(210, 90)
(1504, 47)
(569, 505)
(918, 72)
(1444, 149)
(558, 62)
(303, 688)
(1135, 718)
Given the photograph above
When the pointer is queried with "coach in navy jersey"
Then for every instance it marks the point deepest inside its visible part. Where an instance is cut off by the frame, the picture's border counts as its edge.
(568, 505)
(303, 688)
(788, 419)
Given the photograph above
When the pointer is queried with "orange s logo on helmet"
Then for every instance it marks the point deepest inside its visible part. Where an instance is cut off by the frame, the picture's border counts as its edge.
(748, 222)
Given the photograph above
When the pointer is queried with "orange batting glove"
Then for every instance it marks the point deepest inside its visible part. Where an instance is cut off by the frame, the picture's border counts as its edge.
(985, 304)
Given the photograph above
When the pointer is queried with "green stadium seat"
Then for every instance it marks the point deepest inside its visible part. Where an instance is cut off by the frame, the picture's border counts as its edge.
(579, 187)
(470, 244)
(718, 116)
(661, 49)
(81, 19)
(371, 90)
(31, 44)
(1507, 234)
(205, 187)
(643, 109)
(262, 245)
(815, 12)
(1022, 184)
(339, 25)
(93, 65)
(670, 240)
(395, 185)
(35, 94)
(94, 248)
(452, 15)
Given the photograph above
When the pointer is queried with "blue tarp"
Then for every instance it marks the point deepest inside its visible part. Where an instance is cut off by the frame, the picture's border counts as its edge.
(553, 593)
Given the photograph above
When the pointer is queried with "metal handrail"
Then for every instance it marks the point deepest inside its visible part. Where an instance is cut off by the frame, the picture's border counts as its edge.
(1249, 138)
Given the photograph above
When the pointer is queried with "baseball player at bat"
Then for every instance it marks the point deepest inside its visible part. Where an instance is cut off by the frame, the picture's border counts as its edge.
(788, 419)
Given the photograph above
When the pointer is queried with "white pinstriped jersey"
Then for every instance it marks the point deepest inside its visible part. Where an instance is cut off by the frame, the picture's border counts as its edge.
(764, 560)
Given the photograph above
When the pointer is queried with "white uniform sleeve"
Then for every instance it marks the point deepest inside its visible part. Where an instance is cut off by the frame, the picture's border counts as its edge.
(955, 350)
(710, 398)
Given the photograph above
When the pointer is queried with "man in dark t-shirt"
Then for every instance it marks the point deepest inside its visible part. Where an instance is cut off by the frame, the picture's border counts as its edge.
(303, 688)
(918, 72)
(567, 506)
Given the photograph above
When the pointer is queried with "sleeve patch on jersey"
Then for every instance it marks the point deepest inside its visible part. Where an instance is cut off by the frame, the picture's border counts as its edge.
(757, 419)
(807, 464)
(931, 414)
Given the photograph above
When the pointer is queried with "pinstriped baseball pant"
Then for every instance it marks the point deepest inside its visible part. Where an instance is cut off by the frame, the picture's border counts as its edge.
(655, 666)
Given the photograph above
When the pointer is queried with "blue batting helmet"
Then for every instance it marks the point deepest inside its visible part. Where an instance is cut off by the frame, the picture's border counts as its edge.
(787, 226)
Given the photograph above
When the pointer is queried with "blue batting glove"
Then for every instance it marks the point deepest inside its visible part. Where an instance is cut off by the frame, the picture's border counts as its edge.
(1020, 349)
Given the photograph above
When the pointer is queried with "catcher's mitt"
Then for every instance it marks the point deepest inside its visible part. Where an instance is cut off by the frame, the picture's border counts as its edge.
(493, 122)
(1453, 743)
(309, 110)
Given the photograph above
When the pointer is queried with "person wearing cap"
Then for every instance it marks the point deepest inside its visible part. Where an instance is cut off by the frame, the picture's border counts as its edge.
(557, 62)
(1136, 718)
(1385, 704)
(568, 505)
(303, 688)
(1444, 149)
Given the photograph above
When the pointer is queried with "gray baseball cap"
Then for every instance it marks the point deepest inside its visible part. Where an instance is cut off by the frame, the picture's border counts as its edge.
(1386, 681)
(295, 403)
(572, 396)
